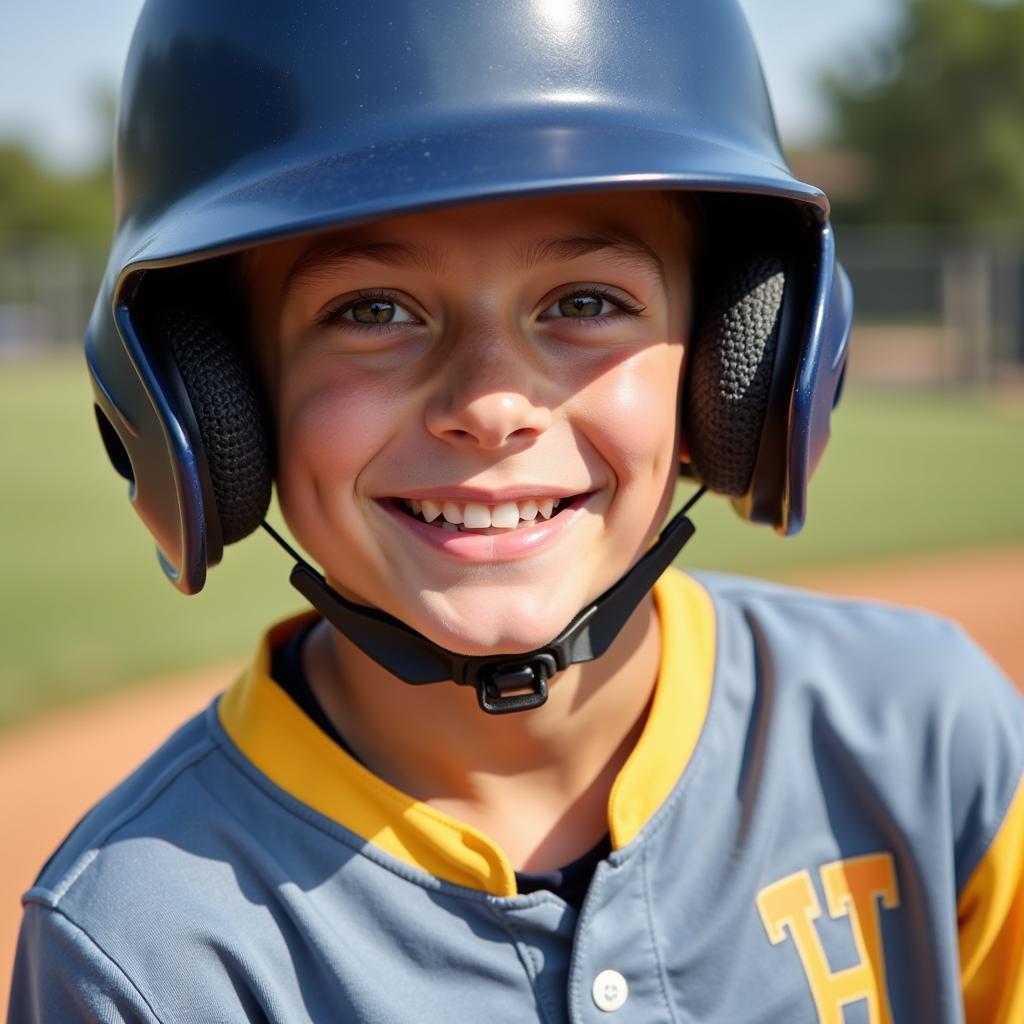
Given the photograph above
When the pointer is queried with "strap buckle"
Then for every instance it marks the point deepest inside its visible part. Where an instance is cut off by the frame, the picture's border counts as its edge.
(495, 681)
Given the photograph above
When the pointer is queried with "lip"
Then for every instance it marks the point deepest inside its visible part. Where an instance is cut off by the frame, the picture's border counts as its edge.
(505, 547)
(522, 492)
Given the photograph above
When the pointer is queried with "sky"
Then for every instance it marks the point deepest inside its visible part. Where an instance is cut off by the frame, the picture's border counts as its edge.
(54, 55)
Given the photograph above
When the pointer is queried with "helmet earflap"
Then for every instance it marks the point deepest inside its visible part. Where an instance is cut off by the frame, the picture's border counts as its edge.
(195, 314)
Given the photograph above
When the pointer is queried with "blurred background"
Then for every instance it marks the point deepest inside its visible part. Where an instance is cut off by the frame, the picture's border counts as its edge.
(910, 113)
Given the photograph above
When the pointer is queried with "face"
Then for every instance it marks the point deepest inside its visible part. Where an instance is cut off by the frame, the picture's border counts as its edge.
(477, 407)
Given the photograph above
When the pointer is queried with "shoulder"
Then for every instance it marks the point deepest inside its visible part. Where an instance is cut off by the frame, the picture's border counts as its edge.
(61, 974)
(167, 884)
(152, 800)
(99, 898)
(896, 652)
(900, 698)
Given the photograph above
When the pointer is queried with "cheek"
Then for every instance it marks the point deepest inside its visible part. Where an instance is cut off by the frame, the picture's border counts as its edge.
(327, 436)
(633, 419)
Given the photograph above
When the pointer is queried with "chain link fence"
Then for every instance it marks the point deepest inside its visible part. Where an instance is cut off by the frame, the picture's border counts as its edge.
(933, 306)
(47, 289)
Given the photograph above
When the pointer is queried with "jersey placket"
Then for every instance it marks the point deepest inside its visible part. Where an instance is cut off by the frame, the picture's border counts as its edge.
(615, 974)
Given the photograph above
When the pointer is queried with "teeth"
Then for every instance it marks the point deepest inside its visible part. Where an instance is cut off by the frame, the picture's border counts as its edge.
(475, 515)
(505, 515)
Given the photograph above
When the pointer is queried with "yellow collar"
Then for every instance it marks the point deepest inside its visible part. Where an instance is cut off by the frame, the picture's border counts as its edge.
(284, 744)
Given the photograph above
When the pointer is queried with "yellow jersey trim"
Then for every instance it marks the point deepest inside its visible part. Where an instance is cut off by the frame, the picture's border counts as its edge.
(679, 706)
(294, 753)
(990, 915)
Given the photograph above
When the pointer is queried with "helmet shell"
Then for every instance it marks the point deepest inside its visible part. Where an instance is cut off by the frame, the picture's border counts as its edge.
(242, 123)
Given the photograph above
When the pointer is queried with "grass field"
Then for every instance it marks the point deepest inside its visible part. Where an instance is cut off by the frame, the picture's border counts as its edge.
(85, 607)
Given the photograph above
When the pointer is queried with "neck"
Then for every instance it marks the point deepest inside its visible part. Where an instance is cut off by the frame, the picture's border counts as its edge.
(537, 782)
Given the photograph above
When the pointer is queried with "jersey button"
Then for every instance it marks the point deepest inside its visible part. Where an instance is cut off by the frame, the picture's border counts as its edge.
(610, 991)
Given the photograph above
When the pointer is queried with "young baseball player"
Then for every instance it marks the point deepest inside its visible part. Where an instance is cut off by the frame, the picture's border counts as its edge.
(470, 283)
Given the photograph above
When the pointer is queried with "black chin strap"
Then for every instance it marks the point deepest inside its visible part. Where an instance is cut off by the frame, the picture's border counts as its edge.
(503, 682)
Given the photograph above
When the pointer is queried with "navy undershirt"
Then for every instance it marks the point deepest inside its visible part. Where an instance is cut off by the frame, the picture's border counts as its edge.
(569, 882)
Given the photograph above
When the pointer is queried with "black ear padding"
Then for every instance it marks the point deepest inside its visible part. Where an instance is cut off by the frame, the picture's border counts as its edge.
(730, 373)
(193, 315)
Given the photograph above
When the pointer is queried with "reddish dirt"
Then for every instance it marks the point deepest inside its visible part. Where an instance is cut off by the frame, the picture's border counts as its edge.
(984, 591)
(51, 770)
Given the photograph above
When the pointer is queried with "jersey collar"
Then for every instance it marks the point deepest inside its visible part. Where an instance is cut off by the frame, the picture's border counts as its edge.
(293, 752)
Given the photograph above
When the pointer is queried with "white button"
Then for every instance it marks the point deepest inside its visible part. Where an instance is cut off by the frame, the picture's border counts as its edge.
(610, 991)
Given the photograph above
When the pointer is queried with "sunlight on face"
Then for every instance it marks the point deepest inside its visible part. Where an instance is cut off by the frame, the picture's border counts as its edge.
(477, 407)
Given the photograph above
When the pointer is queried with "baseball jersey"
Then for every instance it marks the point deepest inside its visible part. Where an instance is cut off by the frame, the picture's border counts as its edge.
(822, 821)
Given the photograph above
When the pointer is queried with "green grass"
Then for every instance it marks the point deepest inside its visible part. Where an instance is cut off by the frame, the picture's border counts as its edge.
(85, 608)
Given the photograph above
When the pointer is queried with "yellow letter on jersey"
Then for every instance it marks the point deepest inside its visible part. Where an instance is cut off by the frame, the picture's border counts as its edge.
(852, 889)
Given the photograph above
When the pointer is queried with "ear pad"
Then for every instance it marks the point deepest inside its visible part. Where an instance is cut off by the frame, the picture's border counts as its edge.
(226, 398)
(730, 373)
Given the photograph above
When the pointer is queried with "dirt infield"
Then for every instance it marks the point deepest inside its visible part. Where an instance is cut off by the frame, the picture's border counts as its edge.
(53, 769)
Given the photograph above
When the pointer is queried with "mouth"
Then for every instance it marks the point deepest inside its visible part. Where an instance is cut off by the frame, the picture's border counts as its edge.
(483, 519)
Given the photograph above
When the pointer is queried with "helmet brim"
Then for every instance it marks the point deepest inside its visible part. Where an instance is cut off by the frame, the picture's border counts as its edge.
(277, 197)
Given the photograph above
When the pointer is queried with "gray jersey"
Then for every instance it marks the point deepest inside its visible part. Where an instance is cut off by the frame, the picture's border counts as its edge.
(819, 819)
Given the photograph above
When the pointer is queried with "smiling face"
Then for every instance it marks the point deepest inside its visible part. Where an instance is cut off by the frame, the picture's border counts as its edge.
(477, 407)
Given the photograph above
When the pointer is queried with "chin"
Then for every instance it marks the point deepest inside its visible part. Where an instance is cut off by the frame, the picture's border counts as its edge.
(500, 627)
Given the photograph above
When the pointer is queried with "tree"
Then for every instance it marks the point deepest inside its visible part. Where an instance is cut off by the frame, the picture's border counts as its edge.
(938, 115)
(38, 202)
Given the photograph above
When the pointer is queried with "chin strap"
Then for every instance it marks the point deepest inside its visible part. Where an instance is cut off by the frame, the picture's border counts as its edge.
(503, 682)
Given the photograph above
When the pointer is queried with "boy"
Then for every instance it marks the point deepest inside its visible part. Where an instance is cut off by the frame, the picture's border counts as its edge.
(500, 271)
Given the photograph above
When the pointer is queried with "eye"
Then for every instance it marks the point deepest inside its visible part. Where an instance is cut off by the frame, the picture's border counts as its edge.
(369, 310)
(590, 304)
(582, 305)
(375, 311)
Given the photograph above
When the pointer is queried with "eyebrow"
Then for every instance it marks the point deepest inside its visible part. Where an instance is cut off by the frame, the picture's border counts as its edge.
(615, 245)
(329, 257)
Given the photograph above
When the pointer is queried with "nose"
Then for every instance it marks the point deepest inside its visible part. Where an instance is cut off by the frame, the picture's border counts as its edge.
(485, 401)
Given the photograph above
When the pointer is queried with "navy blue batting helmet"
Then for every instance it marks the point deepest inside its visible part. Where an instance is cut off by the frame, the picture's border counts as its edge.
(243, 123)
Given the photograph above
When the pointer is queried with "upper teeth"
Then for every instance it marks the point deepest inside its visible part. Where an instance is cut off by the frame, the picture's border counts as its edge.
(477, 516)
